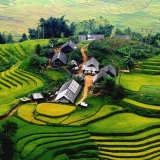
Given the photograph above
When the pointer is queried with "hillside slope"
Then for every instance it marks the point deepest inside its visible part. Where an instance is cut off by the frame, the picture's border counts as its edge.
(19, 15)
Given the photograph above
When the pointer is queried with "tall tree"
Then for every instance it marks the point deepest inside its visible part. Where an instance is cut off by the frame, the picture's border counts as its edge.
(2, 39)
(24, 37)
(8, 130)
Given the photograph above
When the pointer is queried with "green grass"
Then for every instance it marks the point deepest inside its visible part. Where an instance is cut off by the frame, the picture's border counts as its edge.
(122, 123)
(134, 81)
(53, 74)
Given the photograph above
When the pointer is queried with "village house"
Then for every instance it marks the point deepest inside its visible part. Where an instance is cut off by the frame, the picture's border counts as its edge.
(37, 97)
(68, 47)
(106, 71)
(91, 66)
(94, 36)
(68, 92)
(90, 37)
(59, 59)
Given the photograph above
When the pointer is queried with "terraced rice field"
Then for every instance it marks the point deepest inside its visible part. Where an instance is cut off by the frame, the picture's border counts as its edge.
(15, 82)
(122, 14)
(126, 136)
(54, 110)
(51, 142)
(134, 81)
(150, 66)
(56, 131)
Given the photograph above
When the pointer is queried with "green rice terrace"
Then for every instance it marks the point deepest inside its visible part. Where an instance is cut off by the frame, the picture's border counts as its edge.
(127, 129)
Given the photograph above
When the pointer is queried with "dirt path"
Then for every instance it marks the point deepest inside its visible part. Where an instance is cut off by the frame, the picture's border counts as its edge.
(88, 78)
(85, 58)
(88, 83)
(11, 113)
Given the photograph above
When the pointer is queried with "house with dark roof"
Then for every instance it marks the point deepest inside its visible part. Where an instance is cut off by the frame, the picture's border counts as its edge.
(110, 70)
(106, 71)
(68, 92)
(59, 59)
(127, 37)
(100, 76)
(68, 47)
(91, 66)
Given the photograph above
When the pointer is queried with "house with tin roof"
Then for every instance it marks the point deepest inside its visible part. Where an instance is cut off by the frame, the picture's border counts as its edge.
(68, 47)
(68, 92)
(59, 59)
(91, 66)
(94, 36)
(106, 71)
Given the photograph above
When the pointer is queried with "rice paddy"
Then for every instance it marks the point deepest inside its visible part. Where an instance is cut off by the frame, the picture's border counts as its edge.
(57, 131)
(54, 110)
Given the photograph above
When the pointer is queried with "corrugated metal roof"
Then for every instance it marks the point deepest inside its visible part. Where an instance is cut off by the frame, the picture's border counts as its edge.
(106, 71)
(110, 70)
(37, 96)
(100, 75)
(70, 44)
(91, 63)
(69, 90)
(61, 56)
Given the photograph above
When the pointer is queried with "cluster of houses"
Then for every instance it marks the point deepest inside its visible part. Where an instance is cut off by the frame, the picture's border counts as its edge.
(71, 89)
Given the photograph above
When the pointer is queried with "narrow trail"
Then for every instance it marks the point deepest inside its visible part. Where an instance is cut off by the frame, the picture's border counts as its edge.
(88, 78)
(85, 58)
(10, 113)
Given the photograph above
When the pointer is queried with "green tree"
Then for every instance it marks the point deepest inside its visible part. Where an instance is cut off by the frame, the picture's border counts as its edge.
(24, 37)
(38, 49)
(9, 129)
(9, 38)
(54, 42)
(37, 61)
(33, 33)
(108, 85)
(129, 61)
(2, 38)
